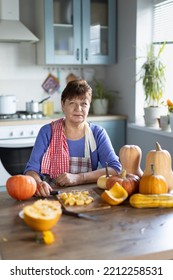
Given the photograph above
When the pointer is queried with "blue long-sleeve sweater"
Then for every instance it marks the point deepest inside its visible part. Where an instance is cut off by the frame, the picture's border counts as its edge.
(104, 152)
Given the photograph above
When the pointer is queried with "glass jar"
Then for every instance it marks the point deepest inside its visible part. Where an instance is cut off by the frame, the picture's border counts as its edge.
(48, 108)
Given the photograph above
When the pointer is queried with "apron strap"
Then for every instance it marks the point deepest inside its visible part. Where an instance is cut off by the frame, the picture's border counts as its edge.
(90, 142)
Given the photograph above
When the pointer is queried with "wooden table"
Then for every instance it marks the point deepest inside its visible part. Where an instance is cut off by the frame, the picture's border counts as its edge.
(121, 232)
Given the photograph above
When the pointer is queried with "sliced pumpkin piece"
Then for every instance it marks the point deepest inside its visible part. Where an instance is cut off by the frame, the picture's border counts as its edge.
(116, 195)
(76, 198)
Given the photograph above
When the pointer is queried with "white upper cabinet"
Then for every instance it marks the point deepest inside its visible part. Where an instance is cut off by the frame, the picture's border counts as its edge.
(74, 32)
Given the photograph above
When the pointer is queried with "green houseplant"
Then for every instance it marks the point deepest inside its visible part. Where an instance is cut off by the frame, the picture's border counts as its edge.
(100, 98)
(152, 75)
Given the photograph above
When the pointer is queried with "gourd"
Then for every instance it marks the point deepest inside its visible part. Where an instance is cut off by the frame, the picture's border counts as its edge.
(101, 181)
(151, 200)
(21, 187)
(162, 164)
(153, 184)
(130, 158)
(129, 182)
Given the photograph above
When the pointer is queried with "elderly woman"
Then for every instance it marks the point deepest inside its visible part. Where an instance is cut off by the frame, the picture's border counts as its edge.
(68, 151)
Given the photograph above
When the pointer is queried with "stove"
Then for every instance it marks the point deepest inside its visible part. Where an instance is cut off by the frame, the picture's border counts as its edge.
(17, 141)
(24, 115)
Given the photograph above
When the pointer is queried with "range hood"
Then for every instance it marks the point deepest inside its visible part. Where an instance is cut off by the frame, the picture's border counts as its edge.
(11, 28)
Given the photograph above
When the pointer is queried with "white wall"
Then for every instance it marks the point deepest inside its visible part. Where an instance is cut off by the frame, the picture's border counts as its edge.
(134, 33)
(18, 73)
(122, 75)
(143, 39)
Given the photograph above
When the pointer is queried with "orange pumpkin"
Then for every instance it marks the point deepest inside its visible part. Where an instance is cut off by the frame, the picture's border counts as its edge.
(129, 182)
(153, 184)
(21, 187)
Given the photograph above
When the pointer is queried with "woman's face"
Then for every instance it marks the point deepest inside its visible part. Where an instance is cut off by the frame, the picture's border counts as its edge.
(76, 110)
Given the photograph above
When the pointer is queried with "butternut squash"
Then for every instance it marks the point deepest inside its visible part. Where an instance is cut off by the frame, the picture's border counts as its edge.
(162, 164)
(130, 158)
(151, 200)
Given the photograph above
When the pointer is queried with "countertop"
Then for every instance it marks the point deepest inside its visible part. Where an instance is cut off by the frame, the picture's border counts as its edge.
(44, 120)
(120, 232)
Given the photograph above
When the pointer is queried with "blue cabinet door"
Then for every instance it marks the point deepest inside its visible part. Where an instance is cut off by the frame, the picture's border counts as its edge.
(116, 129)
(63, 34)
(99, 32)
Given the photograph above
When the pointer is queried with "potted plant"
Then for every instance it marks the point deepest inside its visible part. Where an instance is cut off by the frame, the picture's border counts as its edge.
(100, 98)
(153, 79)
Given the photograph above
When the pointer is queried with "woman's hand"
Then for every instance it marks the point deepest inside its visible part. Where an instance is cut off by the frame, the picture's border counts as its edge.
(43, 189)
(68, 179)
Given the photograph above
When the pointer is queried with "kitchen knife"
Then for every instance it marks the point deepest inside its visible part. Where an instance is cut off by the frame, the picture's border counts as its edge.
(55, 192)
(78, 215)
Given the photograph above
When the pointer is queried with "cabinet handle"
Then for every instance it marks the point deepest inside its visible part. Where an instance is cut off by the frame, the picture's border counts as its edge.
(77, 54)
(86, 54)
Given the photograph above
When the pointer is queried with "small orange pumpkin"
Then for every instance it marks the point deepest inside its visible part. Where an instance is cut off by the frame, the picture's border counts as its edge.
(21, 187)
(129, 182)
(153, 184)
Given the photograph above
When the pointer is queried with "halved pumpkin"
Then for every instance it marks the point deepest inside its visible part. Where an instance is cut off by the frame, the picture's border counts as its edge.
(42, 215)
(116, 195)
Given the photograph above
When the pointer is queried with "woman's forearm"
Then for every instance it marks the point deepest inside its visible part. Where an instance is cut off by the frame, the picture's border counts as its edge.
(92, 177)
(35, 175)
(43, 188)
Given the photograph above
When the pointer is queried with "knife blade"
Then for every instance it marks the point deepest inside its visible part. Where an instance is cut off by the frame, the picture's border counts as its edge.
(107, 172)
(78, 215)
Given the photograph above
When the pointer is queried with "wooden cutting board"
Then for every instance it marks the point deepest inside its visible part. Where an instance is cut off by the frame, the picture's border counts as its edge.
(97, 204)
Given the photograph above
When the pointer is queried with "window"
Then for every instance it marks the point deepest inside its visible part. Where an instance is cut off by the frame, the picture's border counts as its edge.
(163, 32)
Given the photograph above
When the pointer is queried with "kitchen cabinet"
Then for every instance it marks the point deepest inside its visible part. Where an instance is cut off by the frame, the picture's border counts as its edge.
(76, 32)
(116, 129)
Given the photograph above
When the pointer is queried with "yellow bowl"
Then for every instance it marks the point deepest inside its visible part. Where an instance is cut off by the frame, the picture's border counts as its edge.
(42, 215)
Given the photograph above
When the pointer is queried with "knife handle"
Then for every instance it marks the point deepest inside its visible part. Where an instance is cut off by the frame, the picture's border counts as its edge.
(55, 192)
(70, 213)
